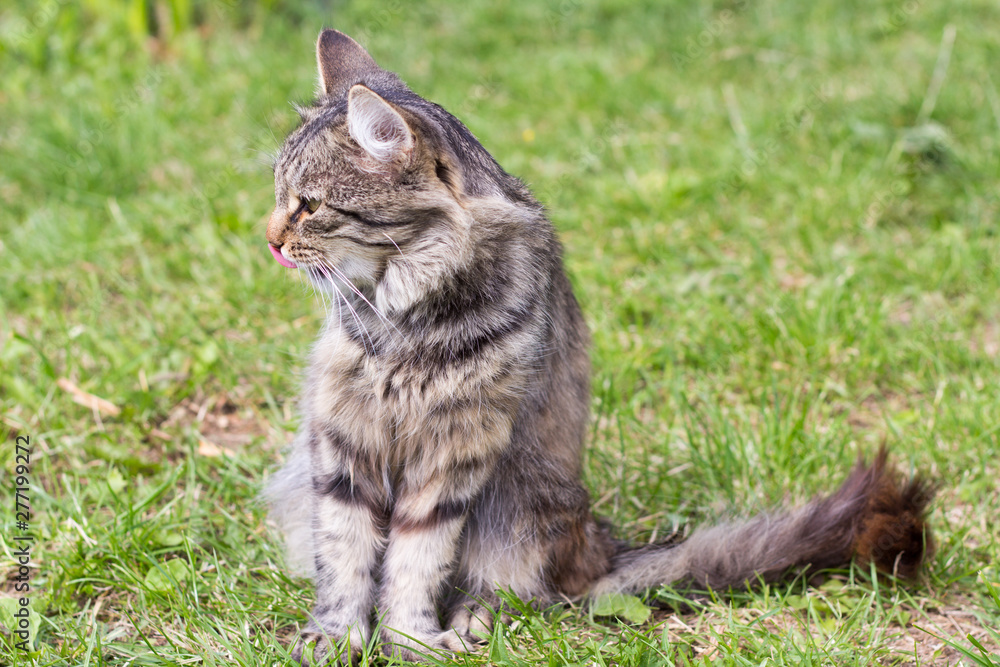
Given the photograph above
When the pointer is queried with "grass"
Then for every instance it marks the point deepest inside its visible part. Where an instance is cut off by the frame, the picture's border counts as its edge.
(779, 218)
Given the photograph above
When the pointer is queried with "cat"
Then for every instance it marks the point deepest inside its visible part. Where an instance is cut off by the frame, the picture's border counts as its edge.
(446, 400)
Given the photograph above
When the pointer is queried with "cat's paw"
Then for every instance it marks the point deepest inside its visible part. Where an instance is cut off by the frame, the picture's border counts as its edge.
(470, 627)
(421, 646)
(315, 647)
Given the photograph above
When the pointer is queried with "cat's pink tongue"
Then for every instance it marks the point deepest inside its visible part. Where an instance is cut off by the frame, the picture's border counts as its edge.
(281, 258)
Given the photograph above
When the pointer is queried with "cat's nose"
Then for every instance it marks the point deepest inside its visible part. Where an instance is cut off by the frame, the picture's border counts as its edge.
(277, 228)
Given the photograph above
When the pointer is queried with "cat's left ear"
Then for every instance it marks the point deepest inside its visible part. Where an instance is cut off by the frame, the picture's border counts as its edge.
(377, 127)
(342, 62)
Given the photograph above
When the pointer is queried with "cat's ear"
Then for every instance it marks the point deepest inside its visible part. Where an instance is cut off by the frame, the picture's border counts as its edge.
(342, 62)
(377, 127)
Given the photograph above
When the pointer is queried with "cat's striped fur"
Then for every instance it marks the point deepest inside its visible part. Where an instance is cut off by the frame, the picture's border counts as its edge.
(447, 397)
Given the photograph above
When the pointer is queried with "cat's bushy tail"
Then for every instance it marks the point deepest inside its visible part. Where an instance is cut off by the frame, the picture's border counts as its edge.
(875, 516)
(288, 492)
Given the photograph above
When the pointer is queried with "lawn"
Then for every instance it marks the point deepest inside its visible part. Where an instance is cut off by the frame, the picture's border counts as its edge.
(779, 217)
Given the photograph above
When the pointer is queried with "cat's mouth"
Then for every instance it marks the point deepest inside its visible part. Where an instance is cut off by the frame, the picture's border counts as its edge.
(281, 258)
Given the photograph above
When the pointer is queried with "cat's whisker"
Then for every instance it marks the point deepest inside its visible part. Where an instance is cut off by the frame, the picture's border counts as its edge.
(324, 297)
(385, 234)
(386, 322)
(307, 285)
(354, 313)
(340, 314)
(340, 275)
(358, 316)
(341, 303)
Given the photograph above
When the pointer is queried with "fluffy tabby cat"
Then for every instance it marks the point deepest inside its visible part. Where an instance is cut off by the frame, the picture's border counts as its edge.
(447, 397)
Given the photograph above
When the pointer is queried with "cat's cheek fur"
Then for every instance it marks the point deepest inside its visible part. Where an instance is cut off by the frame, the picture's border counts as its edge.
(426, 262)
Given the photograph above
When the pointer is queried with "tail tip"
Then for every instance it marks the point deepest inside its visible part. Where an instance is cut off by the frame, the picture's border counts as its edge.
(893, 532)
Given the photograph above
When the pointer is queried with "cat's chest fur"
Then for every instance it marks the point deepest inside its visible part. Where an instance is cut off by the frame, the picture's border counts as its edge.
(406, 404)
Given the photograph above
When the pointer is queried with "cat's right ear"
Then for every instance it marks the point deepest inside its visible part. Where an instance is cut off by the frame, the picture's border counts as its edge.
(376, 125)
(342, 62)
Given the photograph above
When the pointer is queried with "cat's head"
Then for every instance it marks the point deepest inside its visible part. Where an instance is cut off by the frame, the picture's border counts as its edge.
(375, 186)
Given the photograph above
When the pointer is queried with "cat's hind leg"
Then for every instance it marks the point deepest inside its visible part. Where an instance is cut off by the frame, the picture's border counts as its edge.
(532, 535)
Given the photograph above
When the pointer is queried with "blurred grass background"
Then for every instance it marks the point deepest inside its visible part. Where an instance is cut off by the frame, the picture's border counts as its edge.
(780, 219)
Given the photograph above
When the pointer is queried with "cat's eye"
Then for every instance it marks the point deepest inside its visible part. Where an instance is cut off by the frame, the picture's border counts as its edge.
(312, 205)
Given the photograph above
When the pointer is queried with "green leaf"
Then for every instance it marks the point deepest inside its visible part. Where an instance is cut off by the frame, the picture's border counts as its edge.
(797, 601)
(498, 650)
(167, 538)
(166, 576)
(208, 353)
(989, 577)
(628, 607)
(975, 642)
(46, 364)
(11, 606)
(832, 586)
(116, 482)
(822, 607)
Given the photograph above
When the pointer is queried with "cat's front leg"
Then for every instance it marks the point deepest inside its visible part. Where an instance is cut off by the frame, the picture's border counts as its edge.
(348, 538)
(424, 536)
